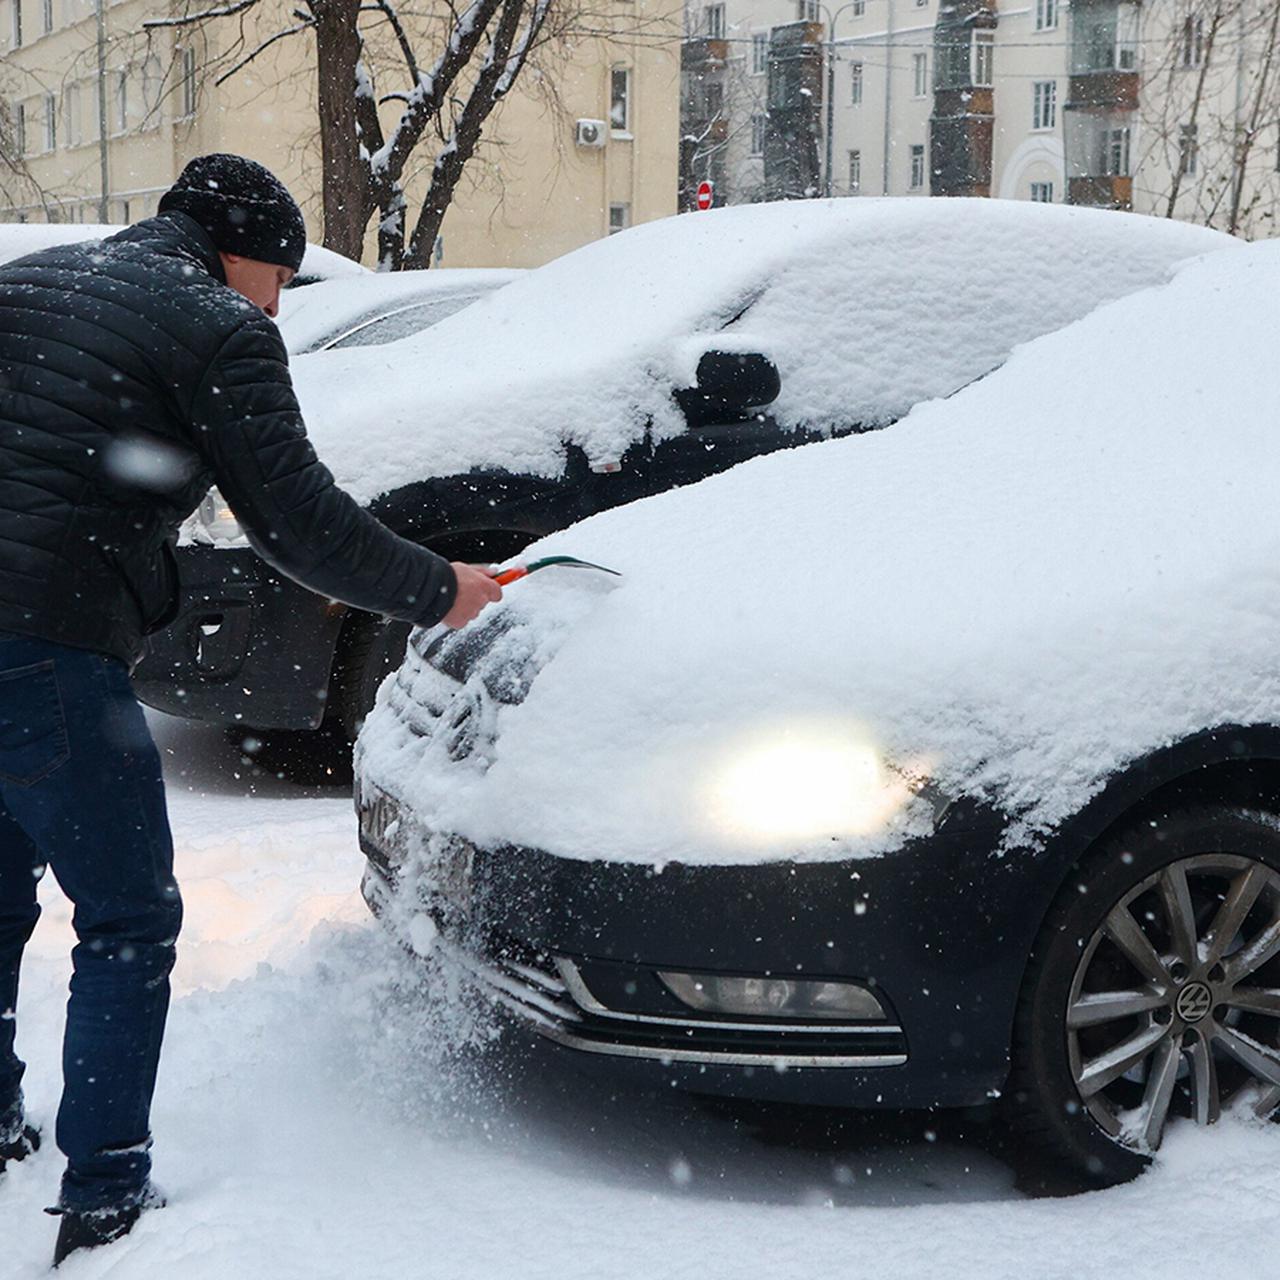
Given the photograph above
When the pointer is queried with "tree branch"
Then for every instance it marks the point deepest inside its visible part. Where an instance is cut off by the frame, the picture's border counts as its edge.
(266, 44)
(190, 19)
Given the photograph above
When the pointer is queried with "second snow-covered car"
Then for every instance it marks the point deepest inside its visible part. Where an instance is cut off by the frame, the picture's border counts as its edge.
(913, 769)
(648, 360)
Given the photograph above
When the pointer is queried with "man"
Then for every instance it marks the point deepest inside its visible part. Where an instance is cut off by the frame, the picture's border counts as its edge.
(134, 374)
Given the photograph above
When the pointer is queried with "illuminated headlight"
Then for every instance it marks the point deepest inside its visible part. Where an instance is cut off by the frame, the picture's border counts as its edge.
(216, 521)
(764, 997)
(807, 783)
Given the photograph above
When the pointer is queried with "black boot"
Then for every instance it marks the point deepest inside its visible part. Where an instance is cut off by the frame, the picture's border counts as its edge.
(100, 1226)
(19, 1148)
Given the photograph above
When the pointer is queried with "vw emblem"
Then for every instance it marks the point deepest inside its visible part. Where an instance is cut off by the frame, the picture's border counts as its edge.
(1194, 1001)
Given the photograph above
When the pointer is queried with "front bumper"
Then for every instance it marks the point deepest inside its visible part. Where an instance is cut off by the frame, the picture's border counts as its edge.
(247, 646)
(572, 950)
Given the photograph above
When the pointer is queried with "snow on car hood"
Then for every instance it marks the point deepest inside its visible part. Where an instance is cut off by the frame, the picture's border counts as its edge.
(866, 306)
(1016, 590)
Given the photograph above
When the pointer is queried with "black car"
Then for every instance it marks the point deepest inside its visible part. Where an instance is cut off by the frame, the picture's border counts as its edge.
(691, 304)
(1021, 843)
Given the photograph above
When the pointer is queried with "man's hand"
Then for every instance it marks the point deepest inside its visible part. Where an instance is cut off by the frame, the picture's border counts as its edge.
(476, 588)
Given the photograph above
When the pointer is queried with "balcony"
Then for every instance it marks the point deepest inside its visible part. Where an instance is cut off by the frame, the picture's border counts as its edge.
(1106, 192)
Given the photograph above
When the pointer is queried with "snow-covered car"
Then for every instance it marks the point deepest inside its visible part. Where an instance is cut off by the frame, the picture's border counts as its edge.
(912, 769)
(644, 361)
(379, 307)
(17, 239)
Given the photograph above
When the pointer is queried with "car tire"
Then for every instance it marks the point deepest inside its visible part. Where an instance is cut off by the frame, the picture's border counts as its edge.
(372, 650)
(1094, 994)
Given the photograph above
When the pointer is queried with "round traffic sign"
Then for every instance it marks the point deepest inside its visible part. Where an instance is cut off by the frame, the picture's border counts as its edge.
(706, 195)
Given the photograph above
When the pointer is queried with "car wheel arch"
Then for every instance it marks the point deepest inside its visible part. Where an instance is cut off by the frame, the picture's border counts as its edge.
(1235, 764)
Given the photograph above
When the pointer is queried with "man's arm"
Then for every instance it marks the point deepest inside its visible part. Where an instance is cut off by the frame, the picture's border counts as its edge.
(246, 423)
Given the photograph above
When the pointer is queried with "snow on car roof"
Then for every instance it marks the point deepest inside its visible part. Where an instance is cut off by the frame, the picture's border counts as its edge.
(310, 315)
(1014, 592)
(866, 306)
(17, 239)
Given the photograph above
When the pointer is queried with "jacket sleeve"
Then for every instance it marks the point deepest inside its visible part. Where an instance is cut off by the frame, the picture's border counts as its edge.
(246, 423)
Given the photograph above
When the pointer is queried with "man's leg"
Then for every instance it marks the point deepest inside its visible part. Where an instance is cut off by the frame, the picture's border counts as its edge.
(20, 867)
(100, 818)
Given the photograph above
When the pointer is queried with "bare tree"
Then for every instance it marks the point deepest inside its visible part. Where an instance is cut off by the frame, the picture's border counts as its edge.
(445, 70)
(1216, 81)
(1262, 110)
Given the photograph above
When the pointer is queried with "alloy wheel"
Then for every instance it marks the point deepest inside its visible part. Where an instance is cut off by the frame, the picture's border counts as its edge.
(1174, 1009)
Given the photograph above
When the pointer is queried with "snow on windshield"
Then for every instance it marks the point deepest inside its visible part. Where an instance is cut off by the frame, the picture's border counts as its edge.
(1014, 591)
(866, 306)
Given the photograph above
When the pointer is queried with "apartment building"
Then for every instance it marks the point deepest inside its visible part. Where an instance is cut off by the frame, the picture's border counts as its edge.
(1162, 107)
(101, 115)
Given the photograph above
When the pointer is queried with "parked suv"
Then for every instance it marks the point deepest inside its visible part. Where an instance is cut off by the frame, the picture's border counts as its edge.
(649, 360)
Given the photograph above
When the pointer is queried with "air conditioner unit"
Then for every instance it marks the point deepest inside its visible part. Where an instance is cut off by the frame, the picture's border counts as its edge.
(591, 133)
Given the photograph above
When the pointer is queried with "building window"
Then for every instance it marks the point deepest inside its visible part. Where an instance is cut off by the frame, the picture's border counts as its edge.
(759, 54)
(920, 70)
(858, 8)
(50, 122)
(1188, 149)
(1044, 104)
(807, 10)
(920, 4)
(122, 100)
(620, 99)
(1192, 41)
(152, 90)
(1042, 192)
(855, 83)
(983, 55)
(713, 100)
(619, 218)
(1046, 15)
(20, 127)
(46, 14)
(917, 168)
(188, 61)
(17, 24)
(72, 126)
(759, 123)
(1115, 152)
(715, 21)
(1104, 37)
(855, 172)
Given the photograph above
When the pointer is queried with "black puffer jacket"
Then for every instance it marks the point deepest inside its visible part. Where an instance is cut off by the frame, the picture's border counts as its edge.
(131, 379)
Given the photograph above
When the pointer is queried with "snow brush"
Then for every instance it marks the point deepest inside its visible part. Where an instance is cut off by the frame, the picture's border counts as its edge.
(519, 571)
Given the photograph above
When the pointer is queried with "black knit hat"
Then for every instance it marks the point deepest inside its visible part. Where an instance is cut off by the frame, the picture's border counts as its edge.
(243, 206)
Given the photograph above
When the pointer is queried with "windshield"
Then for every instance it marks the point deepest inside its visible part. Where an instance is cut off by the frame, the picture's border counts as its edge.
(402, 323)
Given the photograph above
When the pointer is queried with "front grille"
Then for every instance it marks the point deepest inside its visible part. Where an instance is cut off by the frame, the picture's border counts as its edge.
(548, 992)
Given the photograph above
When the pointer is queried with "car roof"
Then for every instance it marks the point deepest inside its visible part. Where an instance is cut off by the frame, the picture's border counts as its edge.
(17, 239)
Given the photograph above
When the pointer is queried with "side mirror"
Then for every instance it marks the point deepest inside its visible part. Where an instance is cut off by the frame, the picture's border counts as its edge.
(730, 384)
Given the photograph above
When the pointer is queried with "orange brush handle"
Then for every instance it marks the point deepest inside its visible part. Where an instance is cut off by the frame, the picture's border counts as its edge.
(507, 576)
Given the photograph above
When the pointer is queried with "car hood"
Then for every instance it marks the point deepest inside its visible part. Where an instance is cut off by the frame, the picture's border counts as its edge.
(867, 307)
(1016, 591)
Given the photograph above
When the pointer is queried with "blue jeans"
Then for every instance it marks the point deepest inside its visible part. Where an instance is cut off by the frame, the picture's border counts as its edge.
(81, 792)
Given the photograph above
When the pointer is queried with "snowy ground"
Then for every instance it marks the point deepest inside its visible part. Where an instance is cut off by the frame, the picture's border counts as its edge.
(310, 1122)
